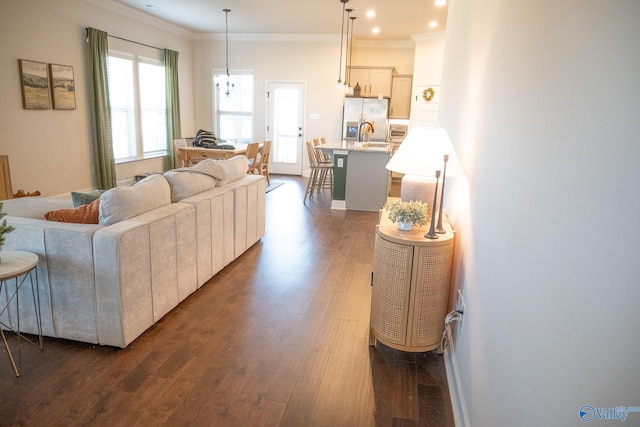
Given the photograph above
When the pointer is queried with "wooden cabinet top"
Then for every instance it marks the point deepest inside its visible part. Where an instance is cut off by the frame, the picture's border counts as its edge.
(389, 231)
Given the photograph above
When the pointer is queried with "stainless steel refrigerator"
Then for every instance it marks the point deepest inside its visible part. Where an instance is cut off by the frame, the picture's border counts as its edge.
(359, 110)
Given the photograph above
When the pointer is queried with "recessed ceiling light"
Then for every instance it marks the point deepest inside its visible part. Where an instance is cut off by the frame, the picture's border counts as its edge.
(371, 13)
(433, 24)
(441, 2)
(375, 30)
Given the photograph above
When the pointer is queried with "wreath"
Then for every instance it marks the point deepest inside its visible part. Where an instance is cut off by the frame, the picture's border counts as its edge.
(428, 94)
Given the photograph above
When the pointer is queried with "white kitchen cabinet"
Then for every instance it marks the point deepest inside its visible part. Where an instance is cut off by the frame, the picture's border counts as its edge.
(400, 96)
(373, 81)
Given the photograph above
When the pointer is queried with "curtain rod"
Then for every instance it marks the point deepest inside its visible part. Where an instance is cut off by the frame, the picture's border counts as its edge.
(127, 40)
(131, 41)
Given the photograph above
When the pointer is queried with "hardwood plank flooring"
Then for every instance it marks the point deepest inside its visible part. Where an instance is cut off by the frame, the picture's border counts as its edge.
(278, 338)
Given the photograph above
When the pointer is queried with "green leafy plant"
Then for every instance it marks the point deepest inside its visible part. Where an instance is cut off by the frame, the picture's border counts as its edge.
(4, 228)
(413, 211)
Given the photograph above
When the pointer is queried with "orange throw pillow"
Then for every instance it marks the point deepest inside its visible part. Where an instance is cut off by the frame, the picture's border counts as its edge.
(84, 214)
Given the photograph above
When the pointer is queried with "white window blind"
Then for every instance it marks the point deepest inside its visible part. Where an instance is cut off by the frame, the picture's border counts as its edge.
(123, 121)
(234, 113)
(153, 108)
(138, 107)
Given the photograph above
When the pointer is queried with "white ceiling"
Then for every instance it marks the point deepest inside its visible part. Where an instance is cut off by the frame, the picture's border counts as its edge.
(397, 19)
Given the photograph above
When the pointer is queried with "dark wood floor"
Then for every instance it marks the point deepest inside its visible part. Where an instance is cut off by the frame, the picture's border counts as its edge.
(278, 338)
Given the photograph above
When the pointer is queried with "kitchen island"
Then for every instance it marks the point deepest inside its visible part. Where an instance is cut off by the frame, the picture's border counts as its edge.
(361, 181)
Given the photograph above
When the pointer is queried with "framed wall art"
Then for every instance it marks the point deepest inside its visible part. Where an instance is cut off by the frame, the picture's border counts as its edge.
(34, 80)
(63, 90)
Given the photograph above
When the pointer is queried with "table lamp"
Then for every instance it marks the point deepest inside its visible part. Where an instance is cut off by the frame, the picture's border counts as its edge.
(419, 156)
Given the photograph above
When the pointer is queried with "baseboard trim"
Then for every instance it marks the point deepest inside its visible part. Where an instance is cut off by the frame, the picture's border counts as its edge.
(460, 416)
(339, 205)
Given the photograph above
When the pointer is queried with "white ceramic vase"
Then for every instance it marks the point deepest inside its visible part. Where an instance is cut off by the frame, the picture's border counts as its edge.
(405, 226)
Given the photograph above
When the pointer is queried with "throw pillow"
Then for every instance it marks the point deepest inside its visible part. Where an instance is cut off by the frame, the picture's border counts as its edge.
(120, 203)
(85, 198)
(224, 171)
(83, 214)
(185, 184)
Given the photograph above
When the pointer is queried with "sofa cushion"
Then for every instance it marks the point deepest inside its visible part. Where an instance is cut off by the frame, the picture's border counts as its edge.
(120, 203)
(185, 185)
(78, 198)
(224, 171)
(83, 214)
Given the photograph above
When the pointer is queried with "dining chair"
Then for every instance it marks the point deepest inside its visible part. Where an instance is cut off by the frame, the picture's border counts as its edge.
(184, 143)
(263, 163)
(252, 156)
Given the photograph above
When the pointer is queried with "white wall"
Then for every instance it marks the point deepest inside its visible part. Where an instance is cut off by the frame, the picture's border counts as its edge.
(314, 63)
(384, 54)
(541, 99)
(50, 150)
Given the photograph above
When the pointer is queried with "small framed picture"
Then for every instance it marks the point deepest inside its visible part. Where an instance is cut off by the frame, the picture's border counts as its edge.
(63, 90)
(34, 80)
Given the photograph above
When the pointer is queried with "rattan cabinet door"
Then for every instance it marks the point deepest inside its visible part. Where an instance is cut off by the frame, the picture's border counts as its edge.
(391, 291)
(430, 294)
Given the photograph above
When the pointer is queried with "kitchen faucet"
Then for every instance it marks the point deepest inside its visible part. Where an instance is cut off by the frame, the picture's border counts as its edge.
(360, 136)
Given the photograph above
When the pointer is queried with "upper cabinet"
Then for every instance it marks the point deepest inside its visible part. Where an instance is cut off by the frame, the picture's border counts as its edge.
(373, 81)
(401, 96)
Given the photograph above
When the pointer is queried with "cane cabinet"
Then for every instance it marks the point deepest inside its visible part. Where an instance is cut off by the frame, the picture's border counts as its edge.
(411, 284)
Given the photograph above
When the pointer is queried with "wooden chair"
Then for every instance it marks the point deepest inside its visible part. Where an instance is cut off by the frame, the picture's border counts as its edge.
(252, 155)
(263, 163)
(177, 144)
(321, 174)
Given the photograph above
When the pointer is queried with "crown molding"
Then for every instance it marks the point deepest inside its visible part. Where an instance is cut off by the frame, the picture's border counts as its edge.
(138, 15)
(269, 37)
(385, 44)
(428, 36)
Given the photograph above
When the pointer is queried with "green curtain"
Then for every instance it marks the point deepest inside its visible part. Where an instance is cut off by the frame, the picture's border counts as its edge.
(173, 105)
(99, 90)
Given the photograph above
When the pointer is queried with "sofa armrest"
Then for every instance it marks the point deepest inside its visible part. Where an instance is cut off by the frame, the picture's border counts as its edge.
(145, 266)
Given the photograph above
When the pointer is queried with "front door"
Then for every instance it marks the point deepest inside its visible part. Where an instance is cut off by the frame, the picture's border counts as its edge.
(285, 120)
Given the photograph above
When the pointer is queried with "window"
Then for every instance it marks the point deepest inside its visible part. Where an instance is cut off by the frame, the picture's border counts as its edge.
(138, 107)
(234, 113)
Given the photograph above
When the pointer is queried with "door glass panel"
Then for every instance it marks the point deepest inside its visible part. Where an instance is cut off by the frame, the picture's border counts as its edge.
(285, 132)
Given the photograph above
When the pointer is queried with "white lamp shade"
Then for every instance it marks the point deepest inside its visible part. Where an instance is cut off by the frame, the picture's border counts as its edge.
(422, 153)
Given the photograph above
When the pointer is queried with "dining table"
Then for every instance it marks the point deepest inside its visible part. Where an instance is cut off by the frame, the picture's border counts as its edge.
(187, 154)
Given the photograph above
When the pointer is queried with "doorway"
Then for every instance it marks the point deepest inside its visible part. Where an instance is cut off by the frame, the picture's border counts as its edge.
(285, 124)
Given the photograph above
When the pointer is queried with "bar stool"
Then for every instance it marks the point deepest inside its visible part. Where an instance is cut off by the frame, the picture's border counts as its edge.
(321, 173)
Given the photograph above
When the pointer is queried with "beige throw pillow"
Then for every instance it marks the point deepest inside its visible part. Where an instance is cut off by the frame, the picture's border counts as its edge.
(120, 203)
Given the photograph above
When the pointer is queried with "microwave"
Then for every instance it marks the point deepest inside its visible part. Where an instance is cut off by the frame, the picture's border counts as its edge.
(397, 133)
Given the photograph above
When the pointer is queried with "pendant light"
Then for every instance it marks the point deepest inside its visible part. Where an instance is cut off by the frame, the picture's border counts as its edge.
(345, 87)
(344, 2)
(229, 85)
(349, 88)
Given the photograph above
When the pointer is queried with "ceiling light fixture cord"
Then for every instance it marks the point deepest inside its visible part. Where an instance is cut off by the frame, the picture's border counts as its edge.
(346, 62)
(229, 84)
(344, 2)
(353, 21)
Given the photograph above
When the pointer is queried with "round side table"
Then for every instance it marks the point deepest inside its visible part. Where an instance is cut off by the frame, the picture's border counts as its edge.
(19, 266)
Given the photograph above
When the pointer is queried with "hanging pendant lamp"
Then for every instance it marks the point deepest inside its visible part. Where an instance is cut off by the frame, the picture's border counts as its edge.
(229, 85)
(348, 87)
(344, 2)
(345, 87)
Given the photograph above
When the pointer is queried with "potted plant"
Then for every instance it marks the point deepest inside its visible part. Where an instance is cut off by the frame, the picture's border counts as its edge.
(408, 214)
(4, 228)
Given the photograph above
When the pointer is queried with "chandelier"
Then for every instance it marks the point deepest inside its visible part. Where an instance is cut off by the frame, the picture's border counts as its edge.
(229, 85)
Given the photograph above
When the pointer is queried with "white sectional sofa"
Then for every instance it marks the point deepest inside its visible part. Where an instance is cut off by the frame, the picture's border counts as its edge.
(107, 283)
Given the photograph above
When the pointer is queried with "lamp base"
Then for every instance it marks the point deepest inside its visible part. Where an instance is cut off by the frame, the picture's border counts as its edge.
(419, 188)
